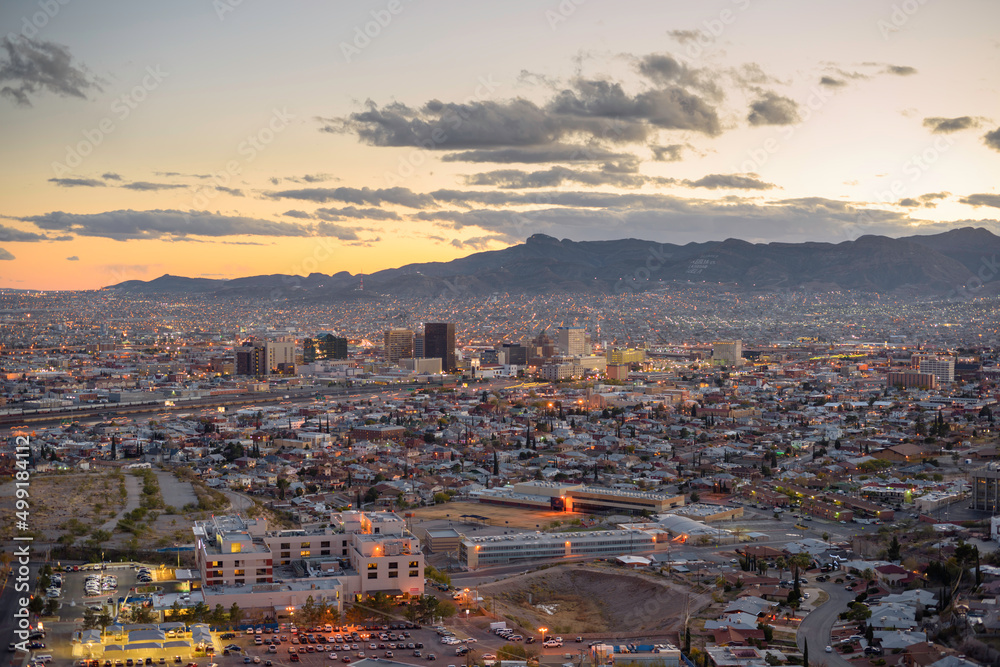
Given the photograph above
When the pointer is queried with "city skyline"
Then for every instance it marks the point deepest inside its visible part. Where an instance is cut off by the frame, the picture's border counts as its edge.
(229, 139)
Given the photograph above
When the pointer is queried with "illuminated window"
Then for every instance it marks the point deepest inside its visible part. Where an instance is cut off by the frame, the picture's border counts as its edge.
(305, 545)
(372, 566)
(239, 573)
(413, 563)
(305, 553)
(414, 573)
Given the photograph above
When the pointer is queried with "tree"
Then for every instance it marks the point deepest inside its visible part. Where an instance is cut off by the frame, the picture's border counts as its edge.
(283, 485)
(695, 497)
(868, 575)
(36, 604)
(235, 615)
(218, 615)
(893, 554)
(826, 537)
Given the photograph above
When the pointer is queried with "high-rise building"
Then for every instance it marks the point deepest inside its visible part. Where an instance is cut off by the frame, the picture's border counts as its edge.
(573, 341)
(729, 352)
(943, 368)
(515, 354)
(398, 345)
(439, 343)
(418, 346)
(265, 357)
(623, 355)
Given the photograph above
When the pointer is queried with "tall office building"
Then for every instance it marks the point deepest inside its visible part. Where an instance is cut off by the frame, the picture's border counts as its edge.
(515, 354)
(573, 341)
(265, 357)
(418, 346)
(729, 352)
(439, 343)
(943, 368)
(398, 345)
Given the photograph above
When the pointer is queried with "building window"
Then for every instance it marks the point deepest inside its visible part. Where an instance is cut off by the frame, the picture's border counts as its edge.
(372, 566)
(324, 545)
(286, 545)
(324, 552)
(286, 554)
(343, 552)
(261, 570)
(239, 573)
(240, 581)
(394, 575)
(373, 575)
(413, 563)
(262, 580)
(305, 545)
(393, 566)
(305, 553)
(414, 573)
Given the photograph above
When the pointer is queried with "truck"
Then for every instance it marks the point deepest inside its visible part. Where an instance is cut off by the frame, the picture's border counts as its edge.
(502, 625)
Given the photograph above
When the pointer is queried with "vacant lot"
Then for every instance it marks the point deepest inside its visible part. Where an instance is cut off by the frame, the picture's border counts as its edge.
(515, 517)
(581, 600)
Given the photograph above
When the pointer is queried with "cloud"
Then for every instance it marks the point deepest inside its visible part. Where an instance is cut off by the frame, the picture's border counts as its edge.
(479, 242)
(146, 186)
(900, 70)
(584, 109)
(516, 179)
(670, 153)
(33, 66)
(293, 213)
(400, 196)
(336, 231)
(12, 235)
(236, 192)
(111, 176)
(946, 125)
(831, 82)
(552, 153)
(353, 212)
(74, 258)
(160, 224)
(982, 200)
(77, 182)
(992, 139)
(4, 255)
(734, 181)
(773, 109)
(928, 200)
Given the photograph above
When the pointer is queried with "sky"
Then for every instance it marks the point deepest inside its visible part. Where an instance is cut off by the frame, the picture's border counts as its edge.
(226, 138)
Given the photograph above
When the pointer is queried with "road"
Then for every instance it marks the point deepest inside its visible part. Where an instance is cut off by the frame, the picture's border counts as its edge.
(817, 626)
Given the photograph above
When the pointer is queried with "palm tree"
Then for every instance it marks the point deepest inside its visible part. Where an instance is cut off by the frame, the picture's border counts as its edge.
(781, 564)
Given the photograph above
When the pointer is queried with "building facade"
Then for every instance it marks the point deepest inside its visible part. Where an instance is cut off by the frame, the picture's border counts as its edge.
(439, 343)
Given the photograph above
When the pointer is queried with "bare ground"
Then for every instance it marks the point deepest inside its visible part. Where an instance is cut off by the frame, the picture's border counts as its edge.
(584, 600)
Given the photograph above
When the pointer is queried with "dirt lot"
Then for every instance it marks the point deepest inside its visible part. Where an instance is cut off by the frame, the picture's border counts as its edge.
(588, 600)
(515, 517)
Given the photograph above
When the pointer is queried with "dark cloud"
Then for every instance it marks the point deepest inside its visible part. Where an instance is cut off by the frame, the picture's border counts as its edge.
(734, 181)
(293, 213)
(77, 182)
(946, 125)
(900, 70)
(553, 153)
(74, 258)
(773, 109)
(353, 212)
(316, 178)
(612, 175)
(587, 108)
(685, 36)
(831, 82)
(992, 139)
(377, 197)
(160, 224)
(4, 255)
(33, 66)
(12, 235)
(111, 176)
(440, 125)
(671, 153)
(336, 231)
(928, 200)
(662, 68)
(146, 186)
(670, 107)
(236, 192)
(479, 242)
(982, 200)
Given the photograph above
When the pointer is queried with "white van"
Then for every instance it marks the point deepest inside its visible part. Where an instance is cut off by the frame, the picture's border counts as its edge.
(44, 658)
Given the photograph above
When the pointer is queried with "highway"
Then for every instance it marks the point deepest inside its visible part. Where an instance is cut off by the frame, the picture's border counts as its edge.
(9, 602)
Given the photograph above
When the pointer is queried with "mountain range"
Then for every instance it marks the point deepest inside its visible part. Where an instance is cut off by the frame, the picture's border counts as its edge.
(956, 261)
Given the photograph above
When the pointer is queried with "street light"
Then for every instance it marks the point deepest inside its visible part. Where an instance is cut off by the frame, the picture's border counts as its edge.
(543, 631)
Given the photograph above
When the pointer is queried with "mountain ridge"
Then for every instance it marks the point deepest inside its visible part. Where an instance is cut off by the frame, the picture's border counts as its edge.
(931, 264)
